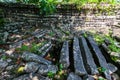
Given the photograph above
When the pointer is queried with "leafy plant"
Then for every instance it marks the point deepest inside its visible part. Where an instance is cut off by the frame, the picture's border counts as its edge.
(101, 78)
(45, 6)
(60, 67)
(114, 58)
(50, 74)
(24, 48)
(4, 57)
(102, 69)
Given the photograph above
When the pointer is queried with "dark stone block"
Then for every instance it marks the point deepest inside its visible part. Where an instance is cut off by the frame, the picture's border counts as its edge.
(78, 60)
(101, 59)
(64, 56)
(89, 58)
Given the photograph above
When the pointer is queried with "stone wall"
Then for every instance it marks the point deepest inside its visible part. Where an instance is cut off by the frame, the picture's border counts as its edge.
(29, 15)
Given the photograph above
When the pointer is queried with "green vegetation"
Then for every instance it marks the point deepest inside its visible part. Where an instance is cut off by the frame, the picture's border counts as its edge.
(32, 48)
(100, 78)
(83, 2)
(49, 6)
(114, 58)
(51, 75)
(101, 69)
(4, 57)
(51, 33)
(112, 46)
(46, 6)
(98, 38)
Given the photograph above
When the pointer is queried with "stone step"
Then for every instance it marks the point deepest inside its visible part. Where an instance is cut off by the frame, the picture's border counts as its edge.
(89, 58)
(101, 59)
(78, 60)
(64, 55)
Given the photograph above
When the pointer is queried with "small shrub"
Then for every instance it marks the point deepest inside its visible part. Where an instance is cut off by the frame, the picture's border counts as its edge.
(102, 69)
(50, 74)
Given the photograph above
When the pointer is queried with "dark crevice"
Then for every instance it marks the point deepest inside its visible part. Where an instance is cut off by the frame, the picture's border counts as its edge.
(93, 54)
(71, 67)
(55, 52)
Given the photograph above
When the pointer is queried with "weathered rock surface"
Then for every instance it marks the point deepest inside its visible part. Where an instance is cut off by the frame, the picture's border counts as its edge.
(115, 76)
(73, 76)
(31, 67)
(100, 57)
(33, 57)
(31, 77)
(89, 58)
(105, 47)
(64, 55)
(88, 77)
(5, 75)
(78, 61)
(44, 69)
(112, 68)
(3, 65)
